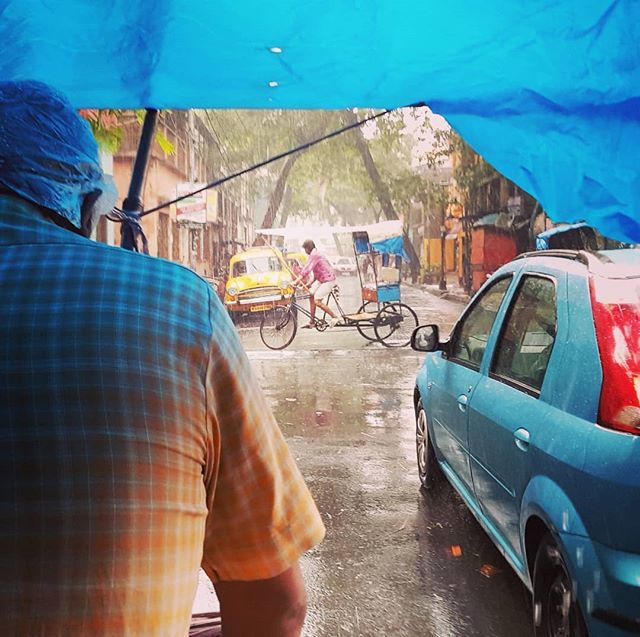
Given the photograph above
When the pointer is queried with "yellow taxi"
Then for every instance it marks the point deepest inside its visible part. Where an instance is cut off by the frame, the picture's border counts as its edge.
(258, 279)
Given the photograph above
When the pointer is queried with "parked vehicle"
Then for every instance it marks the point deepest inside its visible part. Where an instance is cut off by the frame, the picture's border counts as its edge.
(258, 279)
(531, 409)
(345, 266)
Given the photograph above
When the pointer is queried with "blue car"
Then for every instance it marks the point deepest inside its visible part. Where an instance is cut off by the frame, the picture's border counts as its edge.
(531, 409)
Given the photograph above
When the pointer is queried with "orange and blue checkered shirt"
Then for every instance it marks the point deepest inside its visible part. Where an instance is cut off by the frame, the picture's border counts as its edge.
(136, 444)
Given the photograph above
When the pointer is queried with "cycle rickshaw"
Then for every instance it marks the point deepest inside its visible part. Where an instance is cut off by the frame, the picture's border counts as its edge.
(382, 317)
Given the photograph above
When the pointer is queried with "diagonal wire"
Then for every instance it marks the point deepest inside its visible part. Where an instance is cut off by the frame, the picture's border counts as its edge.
(270, 160)
(216, 139)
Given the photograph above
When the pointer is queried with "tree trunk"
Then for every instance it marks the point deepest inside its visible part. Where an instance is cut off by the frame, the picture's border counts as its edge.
(285, 206)
(278, 191)
(381, 190)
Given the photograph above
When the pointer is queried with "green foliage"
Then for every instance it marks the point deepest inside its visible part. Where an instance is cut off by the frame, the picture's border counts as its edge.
(166, 146)
(328, 181)
(108, 125)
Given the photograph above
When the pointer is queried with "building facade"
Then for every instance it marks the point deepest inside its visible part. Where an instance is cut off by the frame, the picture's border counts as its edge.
(203, 243)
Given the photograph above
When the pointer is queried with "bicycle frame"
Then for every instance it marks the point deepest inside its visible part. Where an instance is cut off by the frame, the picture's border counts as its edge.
(319, 323)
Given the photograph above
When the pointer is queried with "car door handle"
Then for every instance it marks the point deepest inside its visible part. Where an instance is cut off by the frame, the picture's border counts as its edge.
(462, 402)
(522, 439)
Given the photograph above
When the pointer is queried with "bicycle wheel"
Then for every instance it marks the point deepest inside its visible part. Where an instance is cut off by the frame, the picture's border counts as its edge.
(366, 331)
(394, 325)
(278, 327)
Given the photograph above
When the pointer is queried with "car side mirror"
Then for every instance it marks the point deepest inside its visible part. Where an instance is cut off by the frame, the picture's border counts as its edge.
(426, 338)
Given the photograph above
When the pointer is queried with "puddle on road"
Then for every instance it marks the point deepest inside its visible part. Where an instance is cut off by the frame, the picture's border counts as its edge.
(386, 565)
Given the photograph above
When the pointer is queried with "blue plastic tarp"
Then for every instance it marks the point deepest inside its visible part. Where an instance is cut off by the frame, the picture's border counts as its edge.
(542, 240)
(393, 246)
(548, 91)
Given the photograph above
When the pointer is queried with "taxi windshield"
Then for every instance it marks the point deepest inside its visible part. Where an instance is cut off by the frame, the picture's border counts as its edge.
(256, 265)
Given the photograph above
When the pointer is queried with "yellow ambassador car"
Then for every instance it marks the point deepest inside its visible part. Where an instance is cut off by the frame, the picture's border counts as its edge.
(257, 280)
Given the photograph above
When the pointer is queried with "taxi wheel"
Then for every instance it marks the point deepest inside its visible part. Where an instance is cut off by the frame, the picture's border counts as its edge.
(556, 612)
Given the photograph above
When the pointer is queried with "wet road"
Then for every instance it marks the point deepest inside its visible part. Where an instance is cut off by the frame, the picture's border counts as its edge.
(387, 566)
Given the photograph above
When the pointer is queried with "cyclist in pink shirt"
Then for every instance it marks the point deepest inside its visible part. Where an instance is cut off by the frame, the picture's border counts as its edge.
(323, 281)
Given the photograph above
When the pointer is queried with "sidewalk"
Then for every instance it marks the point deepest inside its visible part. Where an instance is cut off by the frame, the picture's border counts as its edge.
(453, 292)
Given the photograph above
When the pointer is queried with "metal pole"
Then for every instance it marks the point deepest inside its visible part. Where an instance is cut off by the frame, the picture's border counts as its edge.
(133, 202)
(131, 234)
(466, 253)
(443, 231)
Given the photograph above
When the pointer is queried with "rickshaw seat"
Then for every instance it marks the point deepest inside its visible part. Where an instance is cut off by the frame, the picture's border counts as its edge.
(389, 275)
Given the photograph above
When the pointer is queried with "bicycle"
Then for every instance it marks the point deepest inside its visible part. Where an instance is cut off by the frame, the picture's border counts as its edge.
(279, 324)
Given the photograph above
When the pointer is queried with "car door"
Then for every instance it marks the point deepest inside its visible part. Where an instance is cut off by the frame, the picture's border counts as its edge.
(505, 408)
(455, 374)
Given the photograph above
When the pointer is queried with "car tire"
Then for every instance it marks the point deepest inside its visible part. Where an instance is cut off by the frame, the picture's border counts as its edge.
(556, 612)
(429, 470)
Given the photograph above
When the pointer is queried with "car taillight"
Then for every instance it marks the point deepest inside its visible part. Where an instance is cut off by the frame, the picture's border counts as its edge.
(616, 314)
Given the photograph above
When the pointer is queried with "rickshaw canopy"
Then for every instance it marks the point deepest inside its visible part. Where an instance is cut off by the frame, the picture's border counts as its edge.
(548, 91)
(393, 246)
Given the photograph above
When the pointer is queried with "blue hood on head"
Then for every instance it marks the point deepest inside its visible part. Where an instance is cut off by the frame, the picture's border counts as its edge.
(48, 154)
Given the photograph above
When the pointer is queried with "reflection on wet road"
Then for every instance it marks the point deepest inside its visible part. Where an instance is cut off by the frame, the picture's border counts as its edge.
(387, 564)
(394, 562)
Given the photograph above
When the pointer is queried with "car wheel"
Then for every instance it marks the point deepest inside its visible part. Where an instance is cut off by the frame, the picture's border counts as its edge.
(556, 612)
(429, 471)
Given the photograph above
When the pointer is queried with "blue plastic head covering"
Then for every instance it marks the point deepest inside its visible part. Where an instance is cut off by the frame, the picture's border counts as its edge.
(48, 153)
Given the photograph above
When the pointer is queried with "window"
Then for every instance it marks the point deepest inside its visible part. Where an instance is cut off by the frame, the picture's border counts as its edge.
(256, 265)
(471, 335)
(528, 334)
(239, 268)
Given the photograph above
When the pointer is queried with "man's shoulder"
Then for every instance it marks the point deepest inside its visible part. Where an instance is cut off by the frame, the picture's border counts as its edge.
(141, 270)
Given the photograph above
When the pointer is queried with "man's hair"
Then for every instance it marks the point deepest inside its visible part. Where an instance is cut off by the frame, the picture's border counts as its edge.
(309, 244)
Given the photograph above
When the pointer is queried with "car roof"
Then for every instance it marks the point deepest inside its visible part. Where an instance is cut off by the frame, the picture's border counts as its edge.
(255, 252)
(614, 264)
(296, 255)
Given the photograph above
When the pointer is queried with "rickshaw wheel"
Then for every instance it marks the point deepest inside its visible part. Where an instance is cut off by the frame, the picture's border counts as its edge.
(278, 327)
(394, 325)
(366, 331)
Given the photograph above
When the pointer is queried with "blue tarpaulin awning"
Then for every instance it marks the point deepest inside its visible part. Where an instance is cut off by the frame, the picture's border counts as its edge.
(548, 91)
(393, 246)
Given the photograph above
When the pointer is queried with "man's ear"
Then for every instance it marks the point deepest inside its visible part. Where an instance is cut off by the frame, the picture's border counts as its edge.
(88, 213)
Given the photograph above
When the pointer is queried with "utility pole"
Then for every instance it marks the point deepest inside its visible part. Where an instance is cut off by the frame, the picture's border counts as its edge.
(443, 232)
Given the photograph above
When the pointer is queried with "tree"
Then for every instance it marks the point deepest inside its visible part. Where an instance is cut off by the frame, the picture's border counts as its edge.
(108, 125)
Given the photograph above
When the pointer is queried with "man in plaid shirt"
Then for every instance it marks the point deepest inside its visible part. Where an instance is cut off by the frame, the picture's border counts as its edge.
(136, 444)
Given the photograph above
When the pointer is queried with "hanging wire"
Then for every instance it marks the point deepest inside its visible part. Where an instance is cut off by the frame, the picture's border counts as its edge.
(117, 214)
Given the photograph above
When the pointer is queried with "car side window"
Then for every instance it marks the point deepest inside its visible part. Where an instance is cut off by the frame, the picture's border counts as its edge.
(528, 334)
(470, 338)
